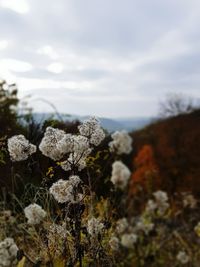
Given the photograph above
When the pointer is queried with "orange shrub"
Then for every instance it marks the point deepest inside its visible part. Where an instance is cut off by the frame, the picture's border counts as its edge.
(146, 173)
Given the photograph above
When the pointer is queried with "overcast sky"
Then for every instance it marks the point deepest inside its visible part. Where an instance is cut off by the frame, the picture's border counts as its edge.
(110, 58)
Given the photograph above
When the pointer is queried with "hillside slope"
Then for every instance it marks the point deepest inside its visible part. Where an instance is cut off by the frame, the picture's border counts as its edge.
(176, 147)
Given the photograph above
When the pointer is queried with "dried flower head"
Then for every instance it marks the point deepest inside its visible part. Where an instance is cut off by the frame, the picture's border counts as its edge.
(121, 144)
(88, 127)
(91, 128)
(94, 226)
(160, 196)
(80, 151)
(121, 225)
(49, 144)
(97, 137)
(64, 190)
(120, 174)
(145, 225)
(151, 206)
(34, 213)
(128, 240)
(19, 148)
(182, 257)
(161, 200)
(57, 233)
(189, 201)
(114, 243)
(8, 252)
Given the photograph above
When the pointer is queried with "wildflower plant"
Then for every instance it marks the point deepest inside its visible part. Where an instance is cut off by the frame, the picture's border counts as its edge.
(70, 225)
(84, 231)
(8, 252)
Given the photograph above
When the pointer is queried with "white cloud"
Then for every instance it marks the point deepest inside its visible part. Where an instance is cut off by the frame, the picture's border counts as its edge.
(55, 67)
(10, 67)
(48, 51)
(19, 6)
(3, 44)
(27, 84)
(15, 65)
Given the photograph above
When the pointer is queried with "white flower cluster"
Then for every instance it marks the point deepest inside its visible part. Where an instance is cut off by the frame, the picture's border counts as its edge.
(34, 213)
(80, 149)
(129, 240)
(120, 174)
(189, 201)
(126, 240)
(122, 225)
(64, 190)
(94, 226)
(6, 215)
(121, 144)
(182, 257)
(19, 148)
(60, 230)
(56, 235)
(8, 252)
(125, 235)
(114, 243)
(50, 141)
(91, 128)
(145, 225)
(56, 144)
(127, 232)
(160, 196)
(151, 206)
(160, 204)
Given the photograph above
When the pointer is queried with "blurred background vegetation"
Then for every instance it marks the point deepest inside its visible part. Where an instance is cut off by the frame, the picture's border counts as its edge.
(166, 153)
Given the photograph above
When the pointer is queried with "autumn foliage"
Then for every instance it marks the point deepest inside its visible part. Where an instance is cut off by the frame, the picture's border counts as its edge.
(146, 174)
(170, 147)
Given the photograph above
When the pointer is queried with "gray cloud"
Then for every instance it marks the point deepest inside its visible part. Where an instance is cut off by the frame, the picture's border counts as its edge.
(118, 58)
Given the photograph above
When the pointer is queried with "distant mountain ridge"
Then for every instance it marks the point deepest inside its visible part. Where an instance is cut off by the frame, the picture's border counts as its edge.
(128, 124)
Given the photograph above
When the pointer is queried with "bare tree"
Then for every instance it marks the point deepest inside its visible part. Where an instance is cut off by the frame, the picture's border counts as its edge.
(176, 104)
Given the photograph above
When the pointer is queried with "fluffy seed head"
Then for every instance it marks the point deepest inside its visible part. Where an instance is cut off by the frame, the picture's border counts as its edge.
(121, 144)
(120, 174)
(34, 213)
(128, 240)
(19, 148)
(94, 226)
(8, 252)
